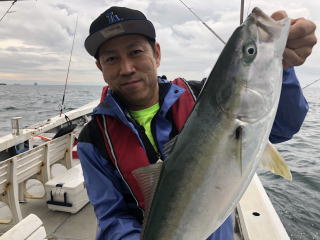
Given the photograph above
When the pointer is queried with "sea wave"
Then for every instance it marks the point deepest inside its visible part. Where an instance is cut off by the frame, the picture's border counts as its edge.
(296, 202)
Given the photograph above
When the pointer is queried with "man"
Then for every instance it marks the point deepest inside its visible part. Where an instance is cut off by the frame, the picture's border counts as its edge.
(140, 112)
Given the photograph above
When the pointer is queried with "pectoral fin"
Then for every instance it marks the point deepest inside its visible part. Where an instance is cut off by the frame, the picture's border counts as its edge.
(272, 161)
(167, 148)
(147, 178)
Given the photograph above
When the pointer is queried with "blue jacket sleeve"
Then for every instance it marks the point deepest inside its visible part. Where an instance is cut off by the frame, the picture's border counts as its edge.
(102, 185)
(292, 109)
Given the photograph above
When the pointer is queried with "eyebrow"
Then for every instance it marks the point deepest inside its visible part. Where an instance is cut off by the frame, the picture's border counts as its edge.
(112, 51)
(134, 44)
(103, 52)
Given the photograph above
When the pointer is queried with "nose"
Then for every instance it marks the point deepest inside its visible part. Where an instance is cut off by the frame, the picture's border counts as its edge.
(126, 66)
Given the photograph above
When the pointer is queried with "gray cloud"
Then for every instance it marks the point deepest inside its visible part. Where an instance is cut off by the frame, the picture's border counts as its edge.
(36, 39)
(69, 10)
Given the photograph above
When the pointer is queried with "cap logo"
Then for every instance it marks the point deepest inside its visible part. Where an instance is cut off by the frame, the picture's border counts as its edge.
(113, 18)
(112, 30)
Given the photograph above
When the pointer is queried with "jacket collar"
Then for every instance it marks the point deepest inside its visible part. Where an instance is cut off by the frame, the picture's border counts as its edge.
(112, 106)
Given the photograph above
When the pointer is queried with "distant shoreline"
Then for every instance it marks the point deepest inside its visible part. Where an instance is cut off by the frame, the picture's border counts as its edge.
(49, 84)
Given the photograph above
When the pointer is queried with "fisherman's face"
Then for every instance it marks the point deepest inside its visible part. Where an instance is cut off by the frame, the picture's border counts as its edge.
(129, 66)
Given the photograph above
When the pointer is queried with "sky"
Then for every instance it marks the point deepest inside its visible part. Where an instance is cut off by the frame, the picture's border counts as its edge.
(36, 37)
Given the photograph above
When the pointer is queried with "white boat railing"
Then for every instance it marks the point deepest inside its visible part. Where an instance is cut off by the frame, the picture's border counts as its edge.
(35, 163)
(35, 130)
(257, 218)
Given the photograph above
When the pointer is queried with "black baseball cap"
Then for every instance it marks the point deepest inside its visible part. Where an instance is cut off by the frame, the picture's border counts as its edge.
(114, 22)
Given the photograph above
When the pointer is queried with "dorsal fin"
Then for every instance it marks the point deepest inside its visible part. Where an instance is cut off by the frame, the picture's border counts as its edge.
(147, 178)
(272, 161)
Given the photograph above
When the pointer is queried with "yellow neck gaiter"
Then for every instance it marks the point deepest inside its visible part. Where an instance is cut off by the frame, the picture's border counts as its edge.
(144, 117)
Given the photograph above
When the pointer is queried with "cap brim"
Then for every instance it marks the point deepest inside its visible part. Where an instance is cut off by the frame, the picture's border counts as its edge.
(142, 27)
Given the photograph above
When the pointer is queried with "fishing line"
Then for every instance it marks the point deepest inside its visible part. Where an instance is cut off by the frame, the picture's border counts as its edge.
(249, 6)
(241, 21)
(14, 1)
(65, 85)
(311, 83)
(210, 29)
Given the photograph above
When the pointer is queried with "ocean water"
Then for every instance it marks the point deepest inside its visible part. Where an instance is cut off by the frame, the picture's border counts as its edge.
(38, 103)
(296, 202)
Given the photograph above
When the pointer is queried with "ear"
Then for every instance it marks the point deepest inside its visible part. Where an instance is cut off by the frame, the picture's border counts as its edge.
(158, 54)
(98, 65)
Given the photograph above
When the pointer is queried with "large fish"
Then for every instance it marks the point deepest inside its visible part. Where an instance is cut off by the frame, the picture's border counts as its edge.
(216, 155)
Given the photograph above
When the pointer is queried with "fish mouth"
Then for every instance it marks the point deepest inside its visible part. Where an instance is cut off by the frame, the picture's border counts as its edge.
(251, 87)
(268, 28)
(256, 92)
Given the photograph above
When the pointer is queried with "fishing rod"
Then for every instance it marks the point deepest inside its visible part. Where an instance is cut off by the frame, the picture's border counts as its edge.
(8, 11)
(14, 1)
(65, 85)
(241, 11)
(206, 25)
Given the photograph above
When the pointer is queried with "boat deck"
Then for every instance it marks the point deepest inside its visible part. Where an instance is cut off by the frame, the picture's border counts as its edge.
(60, 225)
(83, 225)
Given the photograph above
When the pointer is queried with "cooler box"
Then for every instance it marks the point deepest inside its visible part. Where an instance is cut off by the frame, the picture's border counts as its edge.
(67, 192)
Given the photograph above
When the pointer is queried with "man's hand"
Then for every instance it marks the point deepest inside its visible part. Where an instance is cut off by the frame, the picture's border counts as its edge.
(300, 42)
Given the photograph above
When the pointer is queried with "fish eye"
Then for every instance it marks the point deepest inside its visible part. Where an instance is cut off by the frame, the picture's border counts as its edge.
(249, 52)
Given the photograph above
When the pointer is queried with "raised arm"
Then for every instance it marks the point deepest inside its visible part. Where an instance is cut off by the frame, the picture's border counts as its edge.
(292, 109)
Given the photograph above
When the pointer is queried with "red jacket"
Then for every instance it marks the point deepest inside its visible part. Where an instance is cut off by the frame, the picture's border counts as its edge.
(125, 149)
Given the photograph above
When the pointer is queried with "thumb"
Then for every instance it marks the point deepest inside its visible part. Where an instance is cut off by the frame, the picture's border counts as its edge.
(278, 15)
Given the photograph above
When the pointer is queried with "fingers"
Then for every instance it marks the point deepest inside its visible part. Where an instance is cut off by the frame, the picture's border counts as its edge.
(301, 27)
(291, 58)
(303, 52)
(309, 40)
(301, 40)
(278, 15)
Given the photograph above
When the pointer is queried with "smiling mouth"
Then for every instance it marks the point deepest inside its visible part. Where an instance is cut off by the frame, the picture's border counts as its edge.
(130, 83)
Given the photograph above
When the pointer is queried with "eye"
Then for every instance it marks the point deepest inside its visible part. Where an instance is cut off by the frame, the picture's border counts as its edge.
(249, 52)
(136, 52)
(109, 60)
